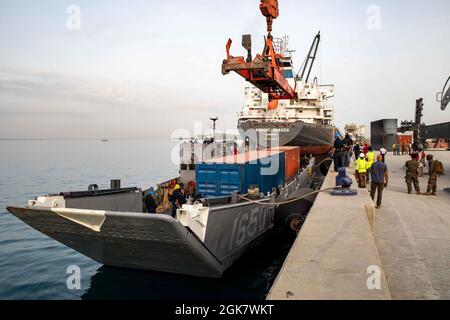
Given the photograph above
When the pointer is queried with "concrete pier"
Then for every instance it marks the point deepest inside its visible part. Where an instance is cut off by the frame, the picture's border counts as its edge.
(345, 244)
(333, 252)
(413, 235)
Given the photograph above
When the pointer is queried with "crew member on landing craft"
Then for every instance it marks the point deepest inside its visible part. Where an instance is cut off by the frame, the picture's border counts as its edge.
(150, 202)
(177, 199)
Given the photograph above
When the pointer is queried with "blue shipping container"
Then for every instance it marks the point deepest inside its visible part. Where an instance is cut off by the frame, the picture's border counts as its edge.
(206, 177)
(222, 179)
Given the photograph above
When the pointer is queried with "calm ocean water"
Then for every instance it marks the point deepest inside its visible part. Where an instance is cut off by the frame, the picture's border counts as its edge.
(33, 266)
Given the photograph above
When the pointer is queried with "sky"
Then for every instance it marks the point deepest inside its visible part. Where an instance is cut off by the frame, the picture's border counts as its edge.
(142, 69)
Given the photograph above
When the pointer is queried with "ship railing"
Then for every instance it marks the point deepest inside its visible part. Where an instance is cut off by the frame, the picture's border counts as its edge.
(305, 107)
(259, 113)
(309, 96)
(303, 178)
(278, 45)
(328, 89)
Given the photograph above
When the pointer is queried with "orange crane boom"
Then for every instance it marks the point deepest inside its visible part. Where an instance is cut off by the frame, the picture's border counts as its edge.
(265, 71)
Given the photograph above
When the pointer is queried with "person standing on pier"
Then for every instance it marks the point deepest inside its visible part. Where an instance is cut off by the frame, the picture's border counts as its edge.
(348, 146)
(370, 156)
(338, 153)
(412, 174)
(383, 153)
(422, 163)
(357, 150)
(380, 177)
(361, 170)
(365, 148)
(433, 174)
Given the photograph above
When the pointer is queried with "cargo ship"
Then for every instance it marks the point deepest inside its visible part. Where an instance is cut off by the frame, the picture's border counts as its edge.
(306, 120)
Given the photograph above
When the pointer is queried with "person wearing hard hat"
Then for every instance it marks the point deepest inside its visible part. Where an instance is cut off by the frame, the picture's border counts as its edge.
(370, 157)
(361, 170)
(177, 199)
(383, 153)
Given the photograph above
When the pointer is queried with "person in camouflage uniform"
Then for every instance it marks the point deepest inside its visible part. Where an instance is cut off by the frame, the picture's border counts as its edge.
(432, 172)
(412, 173)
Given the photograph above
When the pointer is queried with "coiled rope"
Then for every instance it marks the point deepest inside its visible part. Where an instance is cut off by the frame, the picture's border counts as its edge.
(264, 203)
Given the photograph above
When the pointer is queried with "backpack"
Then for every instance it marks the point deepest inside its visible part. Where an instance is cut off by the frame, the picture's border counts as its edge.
(439, 167)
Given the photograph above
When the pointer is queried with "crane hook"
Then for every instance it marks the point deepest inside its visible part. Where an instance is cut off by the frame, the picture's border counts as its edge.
(269, 9)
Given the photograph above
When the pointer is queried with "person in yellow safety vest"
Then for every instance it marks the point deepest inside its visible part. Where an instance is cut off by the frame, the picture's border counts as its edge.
(361, 170)
(370, 156)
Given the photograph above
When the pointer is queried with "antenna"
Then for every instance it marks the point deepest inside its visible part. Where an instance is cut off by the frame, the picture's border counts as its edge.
(214, 120)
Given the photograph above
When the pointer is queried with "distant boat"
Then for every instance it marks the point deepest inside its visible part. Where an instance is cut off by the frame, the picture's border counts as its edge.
(104, 140)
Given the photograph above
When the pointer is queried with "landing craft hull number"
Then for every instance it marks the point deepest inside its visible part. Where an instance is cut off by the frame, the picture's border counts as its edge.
(247, 225)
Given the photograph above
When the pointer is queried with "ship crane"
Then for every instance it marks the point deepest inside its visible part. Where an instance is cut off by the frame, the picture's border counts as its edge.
(264, 71)
(309, 62)
(444, 96)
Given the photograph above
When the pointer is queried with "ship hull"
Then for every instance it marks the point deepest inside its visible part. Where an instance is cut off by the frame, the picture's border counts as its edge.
(297, 133)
